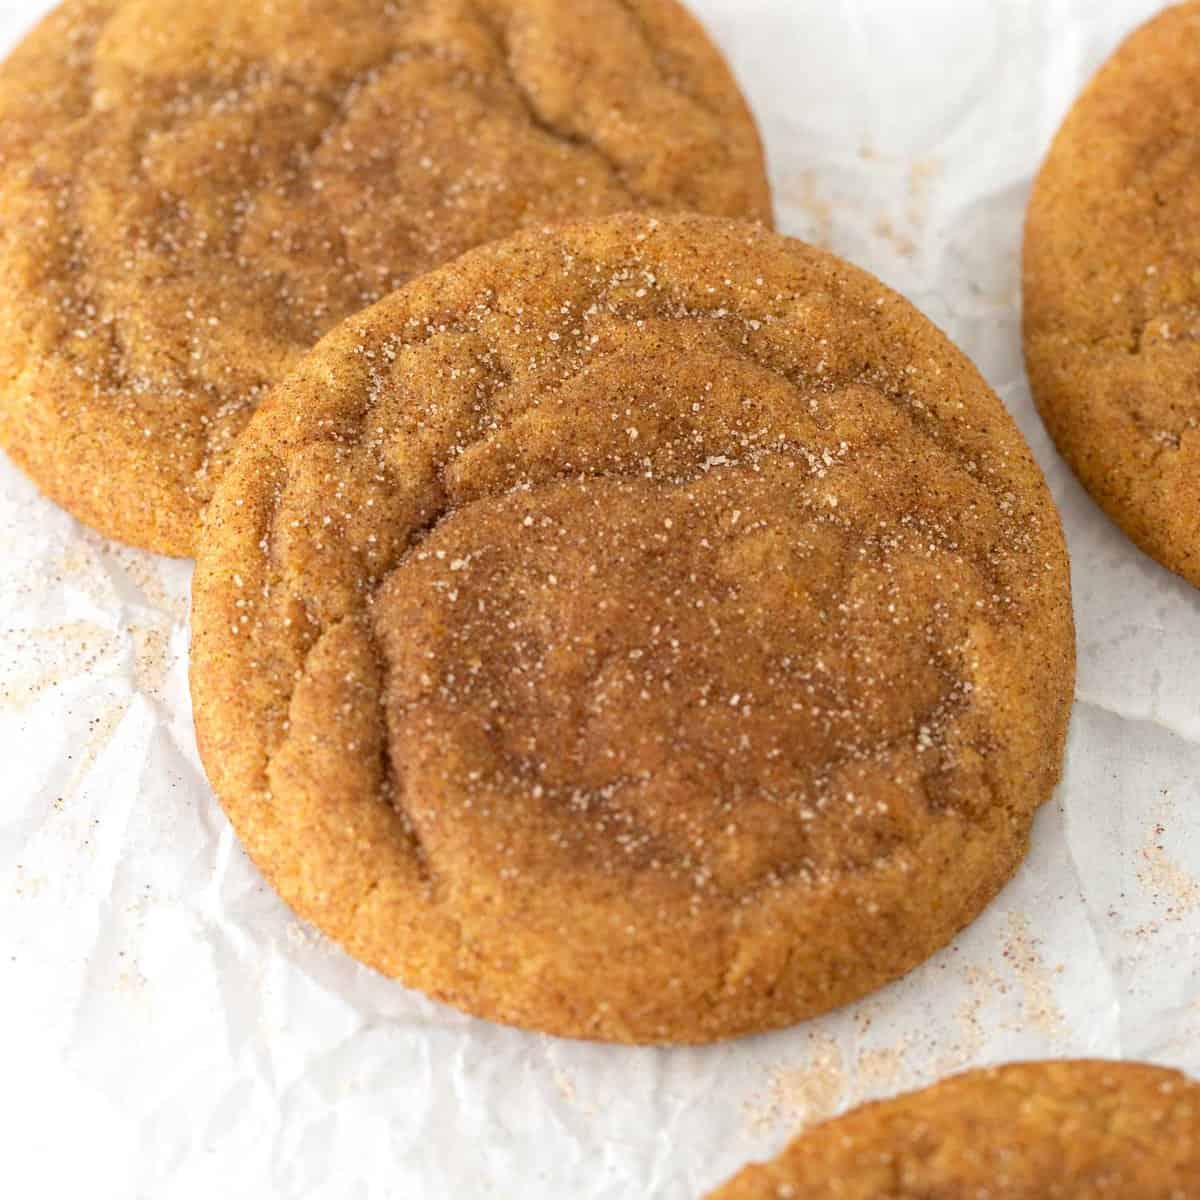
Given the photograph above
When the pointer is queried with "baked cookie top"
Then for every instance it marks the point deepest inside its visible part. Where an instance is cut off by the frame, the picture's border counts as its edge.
(651, 630)
(191, 194)
(1033, 1131)
(1112, 289)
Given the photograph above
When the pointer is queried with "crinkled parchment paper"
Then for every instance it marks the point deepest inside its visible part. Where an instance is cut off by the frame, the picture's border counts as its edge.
(169, 1030)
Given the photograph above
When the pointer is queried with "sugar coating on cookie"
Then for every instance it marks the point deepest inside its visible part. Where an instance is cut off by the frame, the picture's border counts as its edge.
(192, 194)
(1084, 1130)
(653, 630)
(1112, 289)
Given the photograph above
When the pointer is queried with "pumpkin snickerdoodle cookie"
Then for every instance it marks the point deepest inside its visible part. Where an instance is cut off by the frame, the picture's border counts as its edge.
(192, 194)
(653, 630)
(1033, 1131)
(1112, 289)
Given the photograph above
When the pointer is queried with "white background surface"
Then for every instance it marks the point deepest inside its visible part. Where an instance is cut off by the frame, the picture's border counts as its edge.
(169, 1031)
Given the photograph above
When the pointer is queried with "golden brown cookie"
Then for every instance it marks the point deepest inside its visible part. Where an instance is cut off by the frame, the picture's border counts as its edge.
(192, 193)
(1033, 1131)
(651, 631)
(1112, 289)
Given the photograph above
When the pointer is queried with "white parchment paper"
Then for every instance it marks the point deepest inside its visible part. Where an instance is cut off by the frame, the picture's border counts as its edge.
(169, 1030)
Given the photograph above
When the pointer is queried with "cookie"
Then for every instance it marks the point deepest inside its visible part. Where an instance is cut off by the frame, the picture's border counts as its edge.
(1112, 289)
(1050, 1131)
(651, 630)
(192, 194)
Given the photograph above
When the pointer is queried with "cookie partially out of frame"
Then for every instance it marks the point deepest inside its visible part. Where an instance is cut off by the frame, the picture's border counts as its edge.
(1033, 1131)
(1112, 289)
(653, 630)
(192, 193)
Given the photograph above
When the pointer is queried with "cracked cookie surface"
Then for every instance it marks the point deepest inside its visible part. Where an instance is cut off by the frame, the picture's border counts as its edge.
(1112, 289)
(1033, 1131)
(651, 630)
(191, 196)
